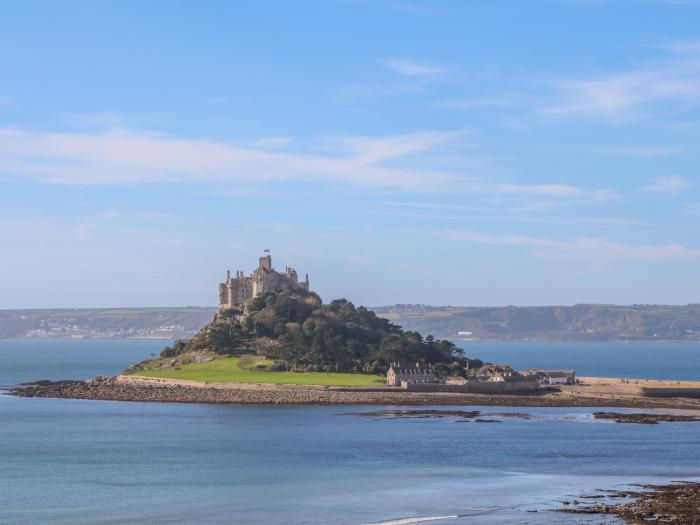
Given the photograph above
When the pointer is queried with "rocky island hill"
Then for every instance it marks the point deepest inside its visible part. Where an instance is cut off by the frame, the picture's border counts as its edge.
(294, 331)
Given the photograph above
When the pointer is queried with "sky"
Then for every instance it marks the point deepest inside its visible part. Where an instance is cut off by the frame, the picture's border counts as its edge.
(473, 152)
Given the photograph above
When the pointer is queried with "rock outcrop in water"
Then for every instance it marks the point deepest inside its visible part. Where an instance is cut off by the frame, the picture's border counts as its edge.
(674, 504)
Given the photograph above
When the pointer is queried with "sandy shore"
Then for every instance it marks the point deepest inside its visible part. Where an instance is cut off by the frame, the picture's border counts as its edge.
(592, 392)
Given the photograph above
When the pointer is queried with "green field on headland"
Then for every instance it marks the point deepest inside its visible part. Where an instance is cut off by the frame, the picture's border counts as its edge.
(227, 369)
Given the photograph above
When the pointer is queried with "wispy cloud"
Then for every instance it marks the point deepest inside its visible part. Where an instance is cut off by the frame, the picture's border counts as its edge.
(590, 250)
(412, 78)
(409, 68)
(134, 157)
(375, 149)
(669, 86)
(670, 185)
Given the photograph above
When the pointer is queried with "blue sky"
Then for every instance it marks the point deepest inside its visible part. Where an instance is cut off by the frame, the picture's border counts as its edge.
(446, 152)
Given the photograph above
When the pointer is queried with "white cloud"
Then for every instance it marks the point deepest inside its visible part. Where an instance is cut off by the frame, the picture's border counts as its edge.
(591, 250)
(410, 68)
(671, 185)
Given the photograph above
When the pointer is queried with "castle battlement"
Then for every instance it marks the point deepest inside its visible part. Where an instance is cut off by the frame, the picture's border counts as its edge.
(234, 290)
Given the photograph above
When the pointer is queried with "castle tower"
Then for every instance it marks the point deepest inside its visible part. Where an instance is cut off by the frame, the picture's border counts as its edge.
(234, 291)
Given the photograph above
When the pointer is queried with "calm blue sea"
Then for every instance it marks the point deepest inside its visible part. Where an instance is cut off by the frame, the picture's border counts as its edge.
(632, 360)
(85, 462)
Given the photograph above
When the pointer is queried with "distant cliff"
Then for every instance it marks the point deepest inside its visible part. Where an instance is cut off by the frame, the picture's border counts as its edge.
(546, 323)
(584, 322)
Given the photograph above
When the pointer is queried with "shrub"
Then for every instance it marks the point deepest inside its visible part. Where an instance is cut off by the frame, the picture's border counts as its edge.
(247, 361)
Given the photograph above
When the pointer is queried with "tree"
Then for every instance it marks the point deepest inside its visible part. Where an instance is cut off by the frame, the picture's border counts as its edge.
(441, 370)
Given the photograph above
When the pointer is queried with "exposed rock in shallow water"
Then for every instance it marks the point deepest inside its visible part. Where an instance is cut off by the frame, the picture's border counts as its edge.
(674, 504)
(644, 419)
(462, 416)
(416, 413)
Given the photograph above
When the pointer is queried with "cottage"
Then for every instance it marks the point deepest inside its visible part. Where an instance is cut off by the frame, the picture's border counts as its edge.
(411, 375)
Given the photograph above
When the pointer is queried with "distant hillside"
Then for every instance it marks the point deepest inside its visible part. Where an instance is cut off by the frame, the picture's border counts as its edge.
(582, 322)
(118, 323)
(546, 323)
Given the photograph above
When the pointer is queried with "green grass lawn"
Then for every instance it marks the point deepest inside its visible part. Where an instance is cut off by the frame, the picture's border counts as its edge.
(225, 369)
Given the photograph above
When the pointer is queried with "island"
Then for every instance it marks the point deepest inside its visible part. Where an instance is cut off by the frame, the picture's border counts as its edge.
(273, 340)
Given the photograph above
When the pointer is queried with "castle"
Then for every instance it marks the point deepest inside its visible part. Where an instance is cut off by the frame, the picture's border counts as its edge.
(235, 290)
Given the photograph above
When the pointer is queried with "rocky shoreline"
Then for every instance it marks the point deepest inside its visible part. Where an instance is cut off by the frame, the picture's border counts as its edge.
(128, 388)
(674, 504)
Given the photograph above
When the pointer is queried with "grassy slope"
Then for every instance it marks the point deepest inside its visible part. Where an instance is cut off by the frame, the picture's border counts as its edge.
(226, 369)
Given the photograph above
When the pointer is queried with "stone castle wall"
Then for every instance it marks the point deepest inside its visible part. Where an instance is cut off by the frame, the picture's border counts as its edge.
(236, 290)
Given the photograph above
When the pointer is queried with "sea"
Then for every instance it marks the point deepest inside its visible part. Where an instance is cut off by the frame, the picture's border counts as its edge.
(66, 461)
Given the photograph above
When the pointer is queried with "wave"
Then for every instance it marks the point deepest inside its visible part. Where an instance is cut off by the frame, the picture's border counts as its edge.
(417, 519)
(426, 519)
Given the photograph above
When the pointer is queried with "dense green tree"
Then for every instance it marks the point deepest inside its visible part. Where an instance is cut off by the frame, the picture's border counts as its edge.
(298, 331)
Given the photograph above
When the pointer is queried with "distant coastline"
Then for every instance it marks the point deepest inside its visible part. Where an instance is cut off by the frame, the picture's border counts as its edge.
(547, 324)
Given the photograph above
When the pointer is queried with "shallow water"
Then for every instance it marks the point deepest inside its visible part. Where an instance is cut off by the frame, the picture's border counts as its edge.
(72, 461)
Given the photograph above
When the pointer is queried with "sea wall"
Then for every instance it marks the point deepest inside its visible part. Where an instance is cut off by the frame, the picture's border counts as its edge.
(692, 393)
(477, 387)
(159, 381)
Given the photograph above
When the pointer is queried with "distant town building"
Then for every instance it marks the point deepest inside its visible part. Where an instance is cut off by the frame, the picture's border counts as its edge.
(234, 290)
(553, 377)
(412, 375)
